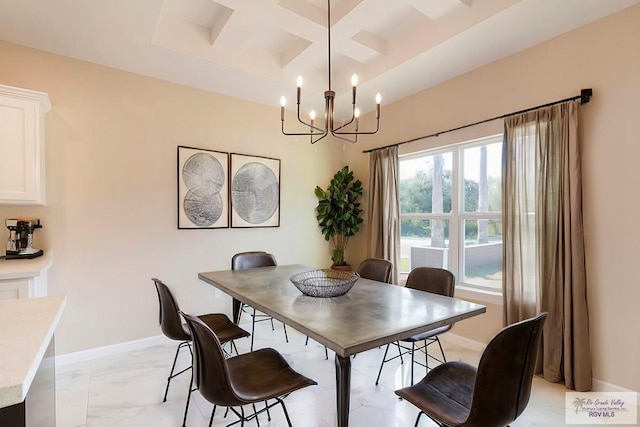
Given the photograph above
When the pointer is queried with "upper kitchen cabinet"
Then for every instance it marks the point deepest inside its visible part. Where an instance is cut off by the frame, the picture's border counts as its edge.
(22, 177)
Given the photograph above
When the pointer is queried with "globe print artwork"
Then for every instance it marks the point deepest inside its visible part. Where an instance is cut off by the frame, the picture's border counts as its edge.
(204, 176)
(203, 170)
(255, 193)
(202, 207)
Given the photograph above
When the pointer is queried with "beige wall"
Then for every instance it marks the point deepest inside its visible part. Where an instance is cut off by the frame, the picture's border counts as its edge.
(111, 143)
(606, 57)
(111, 183)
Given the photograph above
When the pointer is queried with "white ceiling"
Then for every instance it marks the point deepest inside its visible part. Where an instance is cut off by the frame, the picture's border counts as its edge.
(255, 49)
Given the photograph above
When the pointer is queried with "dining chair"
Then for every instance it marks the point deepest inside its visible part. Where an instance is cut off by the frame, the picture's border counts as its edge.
(376, 269)
(492, 395)
(173, 328)
(247, 379)
(428, 279)
(255, 259)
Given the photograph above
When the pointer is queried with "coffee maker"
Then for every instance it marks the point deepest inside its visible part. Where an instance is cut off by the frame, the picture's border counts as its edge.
(20, 242)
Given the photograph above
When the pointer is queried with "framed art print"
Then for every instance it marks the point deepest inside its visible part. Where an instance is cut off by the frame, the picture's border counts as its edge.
(255, 191)
(203, 188)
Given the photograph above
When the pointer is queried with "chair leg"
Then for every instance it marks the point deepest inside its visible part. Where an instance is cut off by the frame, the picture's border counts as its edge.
(213, 413)
(253, 328)
(286, 337)
(286, 414)
(173, 367)
(326, 354)
(418, 419)
(240, 312)
(186, 407)
(412, 360)
(444, 358)
(234, 347)
(399, 351)
(384, 358)
(255, 414)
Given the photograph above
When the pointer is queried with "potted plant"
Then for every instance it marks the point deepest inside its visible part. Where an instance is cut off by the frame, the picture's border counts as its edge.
(338, 212)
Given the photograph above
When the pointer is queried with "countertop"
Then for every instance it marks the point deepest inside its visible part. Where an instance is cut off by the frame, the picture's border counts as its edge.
(20, 268)
(27, 326)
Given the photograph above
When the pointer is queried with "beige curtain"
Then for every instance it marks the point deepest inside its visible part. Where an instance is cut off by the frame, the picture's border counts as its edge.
(544, 263)
(384, 207)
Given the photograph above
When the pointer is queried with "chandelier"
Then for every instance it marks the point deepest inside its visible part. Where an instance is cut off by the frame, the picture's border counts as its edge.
(338, 130)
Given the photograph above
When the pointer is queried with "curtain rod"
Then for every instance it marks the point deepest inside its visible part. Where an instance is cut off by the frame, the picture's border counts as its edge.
(585, 95)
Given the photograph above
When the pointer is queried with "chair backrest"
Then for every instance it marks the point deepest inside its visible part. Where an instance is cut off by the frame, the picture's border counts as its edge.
(432, 279)
(170, 322)
(210, 371)
(505, 373)
(375, 269)
(254, 259)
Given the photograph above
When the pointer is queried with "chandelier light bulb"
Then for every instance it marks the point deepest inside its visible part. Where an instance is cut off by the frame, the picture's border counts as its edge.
(356, 113)
(378, 98)
(312, 114)
(299, 81)
(283, 101)
(354, 80)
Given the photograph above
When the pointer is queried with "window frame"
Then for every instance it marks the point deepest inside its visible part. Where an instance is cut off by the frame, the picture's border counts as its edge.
(457, 216)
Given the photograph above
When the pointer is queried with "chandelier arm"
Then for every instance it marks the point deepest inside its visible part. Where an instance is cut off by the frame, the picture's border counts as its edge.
(323, 136)
(344, 125)
(304, 133)
(352, 141)
(357, 132)
(322, 132)
(312, 133)
(309, 124)
(353, 113)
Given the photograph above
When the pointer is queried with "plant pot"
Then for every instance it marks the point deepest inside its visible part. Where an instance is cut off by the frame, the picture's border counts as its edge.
(341, 267)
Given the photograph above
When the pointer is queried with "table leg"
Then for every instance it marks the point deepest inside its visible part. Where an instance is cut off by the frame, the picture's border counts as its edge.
(236, 310)
(343, 389)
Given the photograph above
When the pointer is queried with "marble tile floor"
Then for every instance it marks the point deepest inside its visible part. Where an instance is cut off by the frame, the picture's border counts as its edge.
(126, 390)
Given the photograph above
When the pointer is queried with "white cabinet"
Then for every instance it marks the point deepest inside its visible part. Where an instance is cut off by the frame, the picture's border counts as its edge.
(22, 178)
(25, 278)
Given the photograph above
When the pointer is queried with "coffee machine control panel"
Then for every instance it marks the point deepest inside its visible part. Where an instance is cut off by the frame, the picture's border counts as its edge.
(20, 241)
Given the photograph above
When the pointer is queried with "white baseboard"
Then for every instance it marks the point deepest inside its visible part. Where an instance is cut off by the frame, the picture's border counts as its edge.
(109, 350)
(463, 342)
(599, 385)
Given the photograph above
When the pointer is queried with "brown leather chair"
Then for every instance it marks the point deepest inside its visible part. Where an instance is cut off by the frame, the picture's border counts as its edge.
(375, 269)
(255, 259)
(493, 395)
(246, 379)
(428, 279)
(173, 328)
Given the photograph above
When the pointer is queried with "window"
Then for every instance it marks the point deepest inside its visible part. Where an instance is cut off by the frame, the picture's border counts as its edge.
(451, 212)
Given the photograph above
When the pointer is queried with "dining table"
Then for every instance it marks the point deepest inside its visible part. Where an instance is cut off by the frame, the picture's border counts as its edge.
(370, 315)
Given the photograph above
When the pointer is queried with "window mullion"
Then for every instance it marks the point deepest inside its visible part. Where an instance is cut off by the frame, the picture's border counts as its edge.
(454, 223)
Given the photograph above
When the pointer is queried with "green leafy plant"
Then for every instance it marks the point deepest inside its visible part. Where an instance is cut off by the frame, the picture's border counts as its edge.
(338, 211)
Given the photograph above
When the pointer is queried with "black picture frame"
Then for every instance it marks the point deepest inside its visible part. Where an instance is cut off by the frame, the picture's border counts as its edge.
(203, 188)
(254, 191)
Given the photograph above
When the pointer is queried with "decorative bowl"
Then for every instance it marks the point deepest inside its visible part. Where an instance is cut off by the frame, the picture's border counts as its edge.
(325, 283)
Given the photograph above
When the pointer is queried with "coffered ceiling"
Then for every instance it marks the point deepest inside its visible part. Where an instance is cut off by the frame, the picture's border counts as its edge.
(255, 49)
